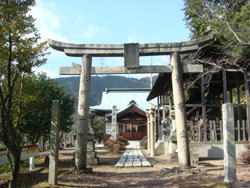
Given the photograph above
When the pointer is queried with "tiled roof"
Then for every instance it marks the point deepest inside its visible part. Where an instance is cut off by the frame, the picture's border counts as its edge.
(122, 97)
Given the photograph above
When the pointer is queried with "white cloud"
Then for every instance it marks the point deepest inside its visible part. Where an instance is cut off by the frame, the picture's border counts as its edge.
(49, 73)
(92, 30)
(47, 22)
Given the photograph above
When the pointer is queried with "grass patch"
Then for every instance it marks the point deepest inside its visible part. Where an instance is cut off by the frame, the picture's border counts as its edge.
(4, 168)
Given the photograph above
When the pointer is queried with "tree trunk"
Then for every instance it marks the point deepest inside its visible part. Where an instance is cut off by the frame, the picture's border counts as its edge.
(16, 154)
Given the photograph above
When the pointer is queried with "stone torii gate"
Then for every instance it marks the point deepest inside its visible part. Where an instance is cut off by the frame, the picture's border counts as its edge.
(131, 53)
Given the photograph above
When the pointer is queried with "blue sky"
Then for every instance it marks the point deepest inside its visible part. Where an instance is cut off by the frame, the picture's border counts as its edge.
(108, 21)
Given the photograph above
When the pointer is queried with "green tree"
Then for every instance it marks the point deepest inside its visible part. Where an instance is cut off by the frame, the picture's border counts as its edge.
(19, 52)
(229, 22)
(39, 92)
(98, 127)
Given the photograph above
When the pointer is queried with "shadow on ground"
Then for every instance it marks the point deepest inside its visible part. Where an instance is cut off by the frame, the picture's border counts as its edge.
(106, 175)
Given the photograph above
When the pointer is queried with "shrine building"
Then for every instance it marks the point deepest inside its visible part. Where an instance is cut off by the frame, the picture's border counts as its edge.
(131, 107)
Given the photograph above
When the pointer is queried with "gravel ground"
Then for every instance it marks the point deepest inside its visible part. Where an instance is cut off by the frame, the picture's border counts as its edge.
(205, 174)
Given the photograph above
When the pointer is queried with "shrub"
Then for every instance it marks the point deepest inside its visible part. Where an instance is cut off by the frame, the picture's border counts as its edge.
(245, 155)
(116, 146)
(106, 137)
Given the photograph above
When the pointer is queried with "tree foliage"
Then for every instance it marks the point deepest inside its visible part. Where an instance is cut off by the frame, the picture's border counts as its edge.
(100, 83)
(98, 127)
(229, 22)
(39, 93)
(20, 50)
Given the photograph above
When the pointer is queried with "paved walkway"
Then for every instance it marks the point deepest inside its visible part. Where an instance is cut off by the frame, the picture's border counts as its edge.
(133, 157)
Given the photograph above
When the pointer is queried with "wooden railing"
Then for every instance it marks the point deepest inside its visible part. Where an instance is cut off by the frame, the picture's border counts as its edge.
(212, 131)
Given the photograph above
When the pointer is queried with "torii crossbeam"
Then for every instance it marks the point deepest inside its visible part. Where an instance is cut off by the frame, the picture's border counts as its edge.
(114, 50)
(131, 53)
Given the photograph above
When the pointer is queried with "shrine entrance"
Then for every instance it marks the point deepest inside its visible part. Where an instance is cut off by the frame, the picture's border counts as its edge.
(131, 122)
(131, 53)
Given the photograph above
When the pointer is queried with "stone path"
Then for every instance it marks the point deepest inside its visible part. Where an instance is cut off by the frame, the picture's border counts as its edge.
(133, 157)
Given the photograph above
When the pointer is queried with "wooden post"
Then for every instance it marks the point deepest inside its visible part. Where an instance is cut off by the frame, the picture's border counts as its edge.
(199, 131)
(159, 131)
(83, 114)
(204, 117)
(215, 131)
(238, 101)
(231, 95)
(248, 103)
(180, 111)
(238, 127)
(211, 131)
(224, 78)
(244, 130)
(54, 143)
(163, 109)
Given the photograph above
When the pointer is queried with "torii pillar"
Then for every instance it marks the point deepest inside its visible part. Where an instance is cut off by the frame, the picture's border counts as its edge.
(180, 110)
(83, 113)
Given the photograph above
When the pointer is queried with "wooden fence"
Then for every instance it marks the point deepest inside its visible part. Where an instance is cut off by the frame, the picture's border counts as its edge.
(212, 131)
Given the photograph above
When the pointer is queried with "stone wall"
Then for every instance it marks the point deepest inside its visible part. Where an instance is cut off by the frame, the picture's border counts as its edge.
(204, 150)
(213, 150)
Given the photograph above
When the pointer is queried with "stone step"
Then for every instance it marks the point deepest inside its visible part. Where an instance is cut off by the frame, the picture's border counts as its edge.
(137, 163)
(146, 164)
(128, 164)
(133, 158)
(119, 165)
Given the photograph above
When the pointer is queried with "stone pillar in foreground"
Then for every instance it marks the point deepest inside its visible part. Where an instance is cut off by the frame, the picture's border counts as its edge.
(229, 143)
(54, 143)
(83, 114)
(114, 123)
(152, 126)
(180, 111)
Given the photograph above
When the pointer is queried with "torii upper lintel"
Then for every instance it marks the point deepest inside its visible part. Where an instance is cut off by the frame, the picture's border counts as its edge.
(114, 50)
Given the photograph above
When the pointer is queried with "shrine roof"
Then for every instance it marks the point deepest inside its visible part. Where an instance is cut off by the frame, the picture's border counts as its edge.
(122, 97)
(131, 107)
